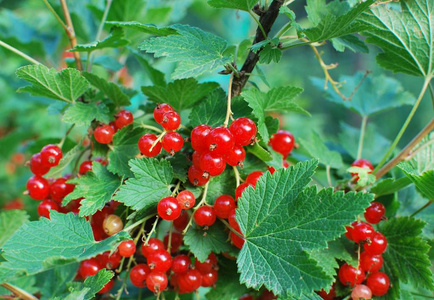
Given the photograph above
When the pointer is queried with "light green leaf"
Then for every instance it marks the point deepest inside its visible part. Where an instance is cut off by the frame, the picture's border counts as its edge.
(10, 222)
(145, 28)
(259, 152)
(234, 4)
(82, 114)
(112, 91)
(350, 42)
(195, 51)
(212, 111)
(66, 85)
(270, 54)
(97, 282)
(181, 94)
(406, 36)
(281, 219)
(115, 39)
(151, 182)
(390, 186)
(156, 76)
(96, 188)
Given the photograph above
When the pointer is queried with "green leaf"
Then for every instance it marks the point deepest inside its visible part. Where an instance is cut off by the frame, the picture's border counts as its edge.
(195, 51)
(96, 187)
(269, 54)
(374, 95)
(26, 283)
(350, 42)
(97, 282)
(223, 184)
(124, 148)
(181, 94)
(406, 36)
(281, 219)
(151, 182)
(82, 114)
(10, 222)
(112, 91)
(245, 5)
(390, 186)
(53, 283)
(202, 241)
(156, 77)
(47, 243)
(277, 99)
(114, 40)
(317, 149)
(66, 85)
(260, 152)
(180, 165)
(212, 111)
(145, 28)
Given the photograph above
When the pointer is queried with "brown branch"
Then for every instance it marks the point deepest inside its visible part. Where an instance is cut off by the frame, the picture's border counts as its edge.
(406, 151)
(267, 20)
(71, 33)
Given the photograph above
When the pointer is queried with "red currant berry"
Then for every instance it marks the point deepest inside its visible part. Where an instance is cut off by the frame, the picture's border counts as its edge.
(198, 135)
(223, 205)
(237, 241)
(112, 224)
(210, 278)
(364, 164)
(160, 110)
(152, 246)
(104, 134)
(186, 199)
(145, 145)
(160, 260)
(371, 263)
(244, 131)
(375, 213)
(348, 275)
(212, 164)
(204, 216)
(362, 232)
(349, 233)
(376, 245)
(59, 189)
(267, 295)
(282, 142)
(378, 283)
(38, 187)
(195, 175)
(37, 167)
(171, 120)
(361, 292)
(236, 156)
(123, 118)
(327, 296)
(89, 267)
(172, 142)
(156, 281)
(240, 189)
(138, 275)
(271, 169)
(51, 155)
(14, 204)
(127, 248)
(207, 265)
(254, 177)
(175, 242)
(233, 221)
(85, 167)
(109, 260)
(113, 125)
(196, 157)
(181, 222)
(107, 287)
(46, 206)
(181, 264)
(190, 281)
(168, 208)
(219, 141)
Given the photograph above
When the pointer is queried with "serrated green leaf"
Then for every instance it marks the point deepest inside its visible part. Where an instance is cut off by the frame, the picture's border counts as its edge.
(96, 188)
(223, 184)
(270, 54)
(124, 148)
(53, 283)
(245, 5)
(66, 85)
(41, 245)
(406, 36)
(212, 111)
(114, 40)
(350, 42)
(374, 95)
(97, 282)
(281, 219)
(10, 222)
(82, 114)
(112, 91)
(151, 182)
(195, 50)
(180, 164)
(181, 94)
(390, 186)
(202, 241)
(277, 99)
(145, 28)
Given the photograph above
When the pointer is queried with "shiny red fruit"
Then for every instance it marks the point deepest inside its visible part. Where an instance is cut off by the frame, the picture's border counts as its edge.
(186, 199)
(36, 165)
(362, 163)
(123, 118)
(282, 142)
(223, 205)
(195, 176)
(348, 275)
(152, 246)
(156, 281)
(327, 296)
(362, 232)
(190, 281)
(371, 263)
(103, 134)
(107, 287)
(51, 155)
(375, 213)
(236, 156)
(207, 265)
(171, 120)
(240, 189)
(85, 167)
(378, 283)
(212, 163)
(204, 216)
(168, 208)
(89, 267)
(172, 142)
(198, 137)
(59, 189)
(160, 110)
(138, 275)
(160, 260)
(181, 264)
(376, 245)
(175, 242)
(46, 206)
(127, 248)
(361, 292)
(244, 131)
(209, 278)
(38, 187)
(145, 145)
(181, 222)
(219, 141)
(253, 177)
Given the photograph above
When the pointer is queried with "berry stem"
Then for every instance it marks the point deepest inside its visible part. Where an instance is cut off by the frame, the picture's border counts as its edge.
(176, 189)
(16, 51)
(132, 226)
(151, 128)
(202, 201)
(231, 228)
(329, 177)
(237, 176)
(158, 140)
(229, 111)
(362, 136)
(62, 141)
(145, 242)
(259, 24)
(70, 32)
(422, 208)
(284, 29)
(169, 242)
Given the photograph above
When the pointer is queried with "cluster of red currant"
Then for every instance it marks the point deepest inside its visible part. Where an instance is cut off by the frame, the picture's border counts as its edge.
(150, 145)
(103, 134)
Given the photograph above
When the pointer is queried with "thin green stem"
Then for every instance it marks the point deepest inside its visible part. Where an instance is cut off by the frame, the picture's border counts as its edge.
(259, 23)
(16, 51)
(431, 92)
(176, 189)
(422, 208)
(236, 72)
(237, 176)
(284, 29)
(202, 201)
(66, 135)
(231, 228)
(59, 19)
(229, 110)
(152, 230)
(169, 243)
(362, 136)
(329, 177)
(404, 126)
(151, 128)
(132, 226)
(158, 140)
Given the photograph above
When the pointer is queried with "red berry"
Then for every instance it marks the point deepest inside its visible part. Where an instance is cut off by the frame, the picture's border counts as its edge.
(37, 167)
(254, 177)
(361, 163)
(223, 205)
(181, 222)
(112, 224)
(113, 125)
(219, 141)
(240, 189)
(371, 263)
(327, 296)
(38, 187)
(210, 278)
(195, 175)
(375, 213)
(138, 275)
(156, 281)
(152, 246)
(104, 134)
(186, 199)
(181, 264)
(198, 135)
(168, 208)
(51, 155)
(207, 265)
(190, 281)
(107, 287)
(237, 241)
(109, 260)
(175, 242)
(127, 248)
(160, 260)
(46, 206)
(348, 275)
(212, 163)
(59, 189)
(361, 292)
(171, 120)
(204, 216)
(123, 118)
(89, 267)
(145, 144)
(349, 233)
(236, 156)
(160, 110)
(14, 204)
(362, 232)
(85, 167)
(376, 245)
(244, 131)
(172, 142)
(196, 157)
(282, 142)
(271, 169)
(233, 221)
(378, 283)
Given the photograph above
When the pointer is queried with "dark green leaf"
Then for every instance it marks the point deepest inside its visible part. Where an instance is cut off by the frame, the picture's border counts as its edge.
(114, 40)
(180, 165)
(234, 4)
(96, 283)
(223, 184)
(112, 91)
(390, 186)
(53, 283)
(145, 28)
(212, 111)
(10, 222)
(82, 114)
